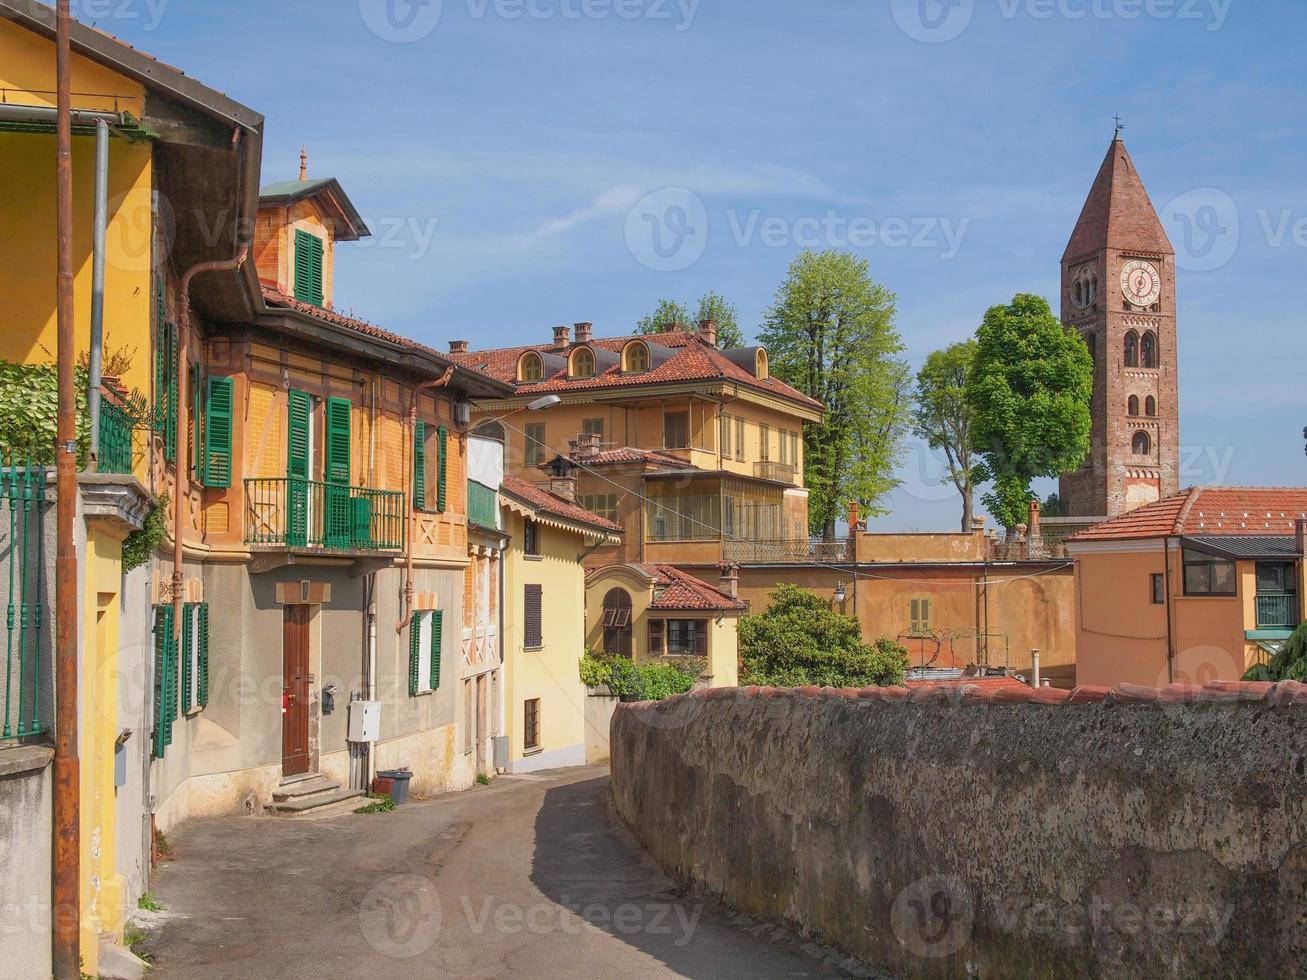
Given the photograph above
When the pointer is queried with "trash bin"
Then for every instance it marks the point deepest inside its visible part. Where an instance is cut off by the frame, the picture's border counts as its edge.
(399, 783)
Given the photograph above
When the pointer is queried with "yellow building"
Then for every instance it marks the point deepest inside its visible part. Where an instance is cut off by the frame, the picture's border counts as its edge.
(660, 614)
(1197, 587)
(544, 621)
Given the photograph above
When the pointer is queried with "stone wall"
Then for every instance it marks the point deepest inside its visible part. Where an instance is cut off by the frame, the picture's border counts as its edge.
(26, 800)
(955, 832)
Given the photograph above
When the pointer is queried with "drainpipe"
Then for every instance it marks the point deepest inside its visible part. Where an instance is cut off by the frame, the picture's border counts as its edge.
(182, 488)
(97, 283)
(10, 112)
(1166, 585)
(406, 604)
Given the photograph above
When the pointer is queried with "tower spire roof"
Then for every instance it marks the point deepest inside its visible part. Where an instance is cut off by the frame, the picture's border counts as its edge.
(1118, 212)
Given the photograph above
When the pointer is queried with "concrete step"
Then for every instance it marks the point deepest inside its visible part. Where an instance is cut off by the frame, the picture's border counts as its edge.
(300, 777)
(303, 787)
(313, 801)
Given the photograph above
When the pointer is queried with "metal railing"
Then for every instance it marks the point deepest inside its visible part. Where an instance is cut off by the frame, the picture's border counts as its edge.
(1277, 611)
(482, 505)
(26, 684)
(313, 514)
(115, 439)
(788, 550)
(776, 472)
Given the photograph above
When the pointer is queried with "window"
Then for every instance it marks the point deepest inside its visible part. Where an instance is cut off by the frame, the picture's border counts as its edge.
(764, 442)
(602, 504)
(165, 679)
(1148, 350)
(1132, 406)
(676, 430)
(760, 365)
(217, 433)
(1275, 577)
(535, 443)
(308, 268)
(531, 724)
(1207, 575)
(583, 363)
(530, 368)
(1141, 445)
(532, 631)
(1159, 588)
(617, 622)
(685, 517)
(794, 449)
(593, 427)
(1150, 407)
(531, 538)
(783, 445)
(425, 640)
(726, 436)
(739, 439)
(918, 616)
(637, 358)
(1132, 349)
(684, 637)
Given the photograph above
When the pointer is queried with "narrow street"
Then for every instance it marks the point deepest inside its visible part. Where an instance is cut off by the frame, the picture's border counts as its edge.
(527, 877)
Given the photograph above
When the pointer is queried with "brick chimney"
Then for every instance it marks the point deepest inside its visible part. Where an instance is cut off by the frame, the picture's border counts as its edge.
(730, 578)
(458, 346)
(560, 336)
(708, 331)
(586, 445)
(564, 486)
(669, 327)
(1302, 536)
(853, 516)
(584, 331)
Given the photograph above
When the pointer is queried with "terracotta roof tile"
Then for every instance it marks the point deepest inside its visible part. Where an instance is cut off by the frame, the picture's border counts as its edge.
(546, 502)
(1209, 511)
(1118, 212)
(692, 360)
(679, 590)
(627, 454)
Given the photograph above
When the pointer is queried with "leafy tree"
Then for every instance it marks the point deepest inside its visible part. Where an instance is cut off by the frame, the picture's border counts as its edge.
(943, 417)
(1029, 390)
(801, 640)
(1053, 507)
(1290, 664)
(712, 306)
(830, 333)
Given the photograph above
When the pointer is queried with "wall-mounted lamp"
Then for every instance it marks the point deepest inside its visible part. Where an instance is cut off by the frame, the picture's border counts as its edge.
(840, 593)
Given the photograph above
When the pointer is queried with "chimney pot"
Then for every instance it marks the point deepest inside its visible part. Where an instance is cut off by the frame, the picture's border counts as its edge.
(1302, 536)
(670, 327)
(853, 516)
(708, 331)
(730, 575)
(458, 346)
(584, 331)
(560, 336)
(563, 486)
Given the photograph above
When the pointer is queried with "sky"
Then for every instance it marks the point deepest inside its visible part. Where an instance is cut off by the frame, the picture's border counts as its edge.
(526, 163)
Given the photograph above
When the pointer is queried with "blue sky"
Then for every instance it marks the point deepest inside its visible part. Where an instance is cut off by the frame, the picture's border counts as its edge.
(502, 154)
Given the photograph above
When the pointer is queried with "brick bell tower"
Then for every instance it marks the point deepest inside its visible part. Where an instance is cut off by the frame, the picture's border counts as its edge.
(1118, 291)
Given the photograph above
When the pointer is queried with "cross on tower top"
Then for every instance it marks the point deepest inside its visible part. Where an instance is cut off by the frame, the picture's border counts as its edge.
(1119, 125)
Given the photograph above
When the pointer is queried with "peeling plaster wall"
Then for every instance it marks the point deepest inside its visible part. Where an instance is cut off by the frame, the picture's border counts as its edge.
(986, 840)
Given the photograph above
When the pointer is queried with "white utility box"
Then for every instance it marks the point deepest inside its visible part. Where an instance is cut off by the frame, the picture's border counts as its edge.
(364, 721)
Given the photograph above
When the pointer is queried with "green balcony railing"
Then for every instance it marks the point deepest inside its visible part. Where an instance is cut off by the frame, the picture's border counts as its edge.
(313, 514)
(1277, 611)
(26, 683)
(482, 505)
(115, 439)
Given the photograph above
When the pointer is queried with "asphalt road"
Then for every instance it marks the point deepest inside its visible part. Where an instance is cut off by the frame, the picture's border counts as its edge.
(528, 877)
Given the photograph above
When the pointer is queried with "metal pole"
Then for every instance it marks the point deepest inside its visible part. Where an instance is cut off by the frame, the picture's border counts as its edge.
(1034, 668)
(97, 283)
(66, 920)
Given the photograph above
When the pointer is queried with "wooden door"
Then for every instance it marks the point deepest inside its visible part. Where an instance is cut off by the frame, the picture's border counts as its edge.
(295, 691)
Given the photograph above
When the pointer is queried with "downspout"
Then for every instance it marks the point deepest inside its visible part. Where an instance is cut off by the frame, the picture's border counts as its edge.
(406, 603)
(97, 284)
(1166, 585)
(182, 488)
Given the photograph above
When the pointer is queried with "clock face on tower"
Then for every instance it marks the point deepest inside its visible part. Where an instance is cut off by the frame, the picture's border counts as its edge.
(1141, 283)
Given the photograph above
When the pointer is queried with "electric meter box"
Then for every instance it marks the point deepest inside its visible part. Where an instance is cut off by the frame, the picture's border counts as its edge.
(364, 721)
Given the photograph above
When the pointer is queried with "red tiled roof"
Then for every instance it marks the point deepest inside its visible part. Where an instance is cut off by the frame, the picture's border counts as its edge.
(681, 590)
(546, 502)
(692, 360)
(1209, 511)
(626, 454)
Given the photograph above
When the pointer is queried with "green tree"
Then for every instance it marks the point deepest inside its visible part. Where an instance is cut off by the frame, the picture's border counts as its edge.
(943, 418)
(801, 640)
(1290, 664)
(1029, 390)
(712, 306)
(830, 333)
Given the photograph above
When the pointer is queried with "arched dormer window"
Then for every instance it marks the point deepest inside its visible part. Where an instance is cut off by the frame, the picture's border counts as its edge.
(530, 367)
(760, 368)
(1141, 445)
(1150, 407)
(1131, 349)
(582, 364)
(1148, 350)
(1132, 406)
(617, 622)
(635, 357)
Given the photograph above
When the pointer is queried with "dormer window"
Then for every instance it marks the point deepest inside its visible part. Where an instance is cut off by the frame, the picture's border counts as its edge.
(530, 368)
(637, 357)
(760, 367)
(309, 251)
(583, 363)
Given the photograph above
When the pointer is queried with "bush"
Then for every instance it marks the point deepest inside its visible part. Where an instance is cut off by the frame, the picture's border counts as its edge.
(1290, 664)
(595, 670)
(648, 682)
(801, 640)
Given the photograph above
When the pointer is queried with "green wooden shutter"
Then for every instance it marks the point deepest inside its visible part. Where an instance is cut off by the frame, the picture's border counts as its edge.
(170, 691)
(217, 433)
(161, 617)
(442, 468)
(297, 468)
(196, 462)
(437, 623)
(202, 659)
(309, 253)
(419, 465)
(414, 635)
(339, 513)
(165, 387)
(188, 651)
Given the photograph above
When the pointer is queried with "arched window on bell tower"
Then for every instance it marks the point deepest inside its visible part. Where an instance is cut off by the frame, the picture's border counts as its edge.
(1148, 349)
(1131, 349)
(1150, 407)
(1141, 445)
(1132, 406)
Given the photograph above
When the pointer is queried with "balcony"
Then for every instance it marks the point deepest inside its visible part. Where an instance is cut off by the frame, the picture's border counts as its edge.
(788, 550)
(295, 513)
(115, 439)
(482, 505)
(776, 472)
(1277, 611)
